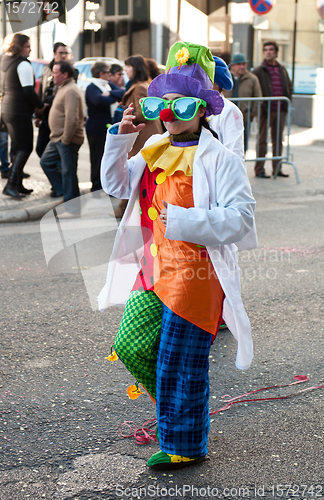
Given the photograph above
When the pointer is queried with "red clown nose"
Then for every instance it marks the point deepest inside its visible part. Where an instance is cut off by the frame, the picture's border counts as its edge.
(167, 115)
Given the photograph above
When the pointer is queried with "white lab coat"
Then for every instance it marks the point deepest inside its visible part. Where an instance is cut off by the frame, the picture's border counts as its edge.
(222, 215)
(229, 126)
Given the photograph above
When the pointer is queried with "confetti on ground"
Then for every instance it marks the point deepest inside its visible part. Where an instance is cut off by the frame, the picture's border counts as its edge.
(304, 252)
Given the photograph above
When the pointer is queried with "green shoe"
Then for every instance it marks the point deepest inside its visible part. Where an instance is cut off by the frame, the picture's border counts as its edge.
(163, 461)
(157, 433)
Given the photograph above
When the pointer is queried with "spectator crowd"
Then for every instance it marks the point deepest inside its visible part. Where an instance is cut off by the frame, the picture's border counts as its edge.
(58, 111)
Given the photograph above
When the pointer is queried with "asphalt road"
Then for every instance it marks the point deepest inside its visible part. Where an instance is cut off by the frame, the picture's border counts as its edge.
(61, 402)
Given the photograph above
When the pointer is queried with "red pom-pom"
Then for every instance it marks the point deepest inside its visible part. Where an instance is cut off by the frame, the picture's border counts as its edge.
(167, 115)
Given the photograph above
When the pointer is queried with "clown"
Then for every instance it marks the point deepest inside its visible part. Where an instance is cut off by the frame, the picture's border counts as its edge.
(174, 256)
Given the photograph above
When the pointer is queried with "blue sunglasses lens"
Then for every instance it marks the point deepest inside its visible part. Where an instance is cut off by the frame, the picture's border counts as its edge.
(152, 108)
(185, 108)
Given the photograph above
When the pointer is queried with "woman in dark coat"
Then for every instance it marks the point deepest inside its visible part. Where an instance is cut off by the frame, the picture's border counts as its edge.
(99, 96)
(18, 104)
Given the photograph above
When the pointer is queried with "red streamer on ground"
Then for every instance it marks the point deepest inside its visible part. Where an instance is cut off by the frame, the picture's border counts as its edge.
(143, 435)
(147, 434)
(299, 380)
(167, 115)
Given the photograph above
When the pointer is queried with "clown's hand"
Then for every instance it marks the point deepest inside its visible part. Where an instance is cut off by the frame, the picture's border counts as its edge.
(127, 126)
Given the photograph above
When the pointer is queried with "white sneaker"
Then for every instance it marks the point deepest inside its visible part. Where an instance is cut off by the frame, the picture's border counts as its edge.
(68, 215)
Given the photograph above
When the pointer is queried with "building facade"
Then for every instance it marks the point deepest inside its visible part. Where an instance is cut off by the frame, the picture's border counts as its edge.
(119, 28)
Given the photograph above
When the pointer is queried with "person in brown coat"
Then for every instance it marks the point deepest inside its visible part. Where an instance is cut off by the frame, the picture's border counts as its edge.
(245, 85)
(138, 74)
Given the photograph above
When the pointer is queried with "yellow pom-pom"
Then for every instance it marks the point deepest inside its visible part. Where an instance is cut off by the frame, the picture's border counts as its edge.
(182, 55)
(133, 392)
(112, 357)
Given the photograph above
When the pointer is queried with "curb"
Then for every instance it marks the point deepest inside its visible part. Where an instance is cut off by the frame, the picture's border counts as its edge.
(27, 214)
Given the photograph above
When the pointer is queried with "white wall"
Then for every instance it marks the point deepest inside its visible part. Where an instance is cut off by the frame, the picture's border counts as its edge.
(74, 22)
(193, 24)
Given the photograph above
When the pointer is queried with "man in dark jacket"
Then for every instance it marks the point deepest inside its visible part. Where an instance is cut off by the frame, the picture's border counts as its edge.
(274, 81)
(46, 92)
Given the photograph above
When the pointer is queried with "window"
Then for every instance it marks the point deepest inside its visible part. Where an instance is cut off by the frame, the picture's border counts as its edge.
(110, 8)
(122, 7)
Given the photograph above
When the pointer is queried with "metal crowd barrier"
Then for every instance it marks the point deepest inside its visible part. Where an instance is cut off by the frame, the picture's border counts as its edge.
(284, 159)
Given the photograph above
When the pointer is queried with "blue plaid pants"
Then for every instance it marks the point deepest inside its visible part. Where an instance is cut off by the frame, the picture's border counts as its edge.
(182, 386)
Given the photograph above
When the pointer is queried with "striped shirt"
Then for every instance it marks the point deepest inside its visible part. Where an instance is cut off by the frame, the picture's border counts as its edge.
(276, 84)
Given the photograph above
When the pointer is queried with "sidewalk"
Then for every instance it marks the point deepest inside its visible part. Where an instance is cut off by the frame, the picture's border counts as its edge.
(37, 204)
(307, 148)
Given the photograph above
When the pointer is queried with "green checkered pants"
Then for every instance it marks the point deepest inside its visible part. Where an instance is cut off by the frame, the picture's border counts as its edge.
(138, 338)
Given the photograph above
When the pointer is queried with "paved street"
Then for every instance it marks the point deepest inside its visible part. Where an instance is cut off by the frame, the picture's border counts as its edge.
(61, 401)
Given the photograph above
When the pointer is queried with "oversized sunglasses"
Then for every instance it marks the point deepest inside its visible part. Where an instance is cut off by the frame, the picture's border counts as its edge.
(184, 108)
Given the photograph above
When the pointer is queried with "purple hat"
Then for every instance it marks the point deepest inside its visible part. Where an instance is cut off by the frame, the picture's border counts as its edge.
(190, 71)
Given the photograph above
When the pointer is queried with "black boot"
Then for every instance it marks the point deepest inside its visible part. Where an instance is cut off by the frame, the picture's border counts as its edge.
(20, 188)
(21, 160)
(10, 188)
(14, 185)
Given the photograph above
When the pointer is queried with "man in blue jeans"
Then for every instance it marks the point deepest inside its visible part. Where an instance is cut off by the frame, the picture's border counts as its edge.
(66, 124)
(4, 167)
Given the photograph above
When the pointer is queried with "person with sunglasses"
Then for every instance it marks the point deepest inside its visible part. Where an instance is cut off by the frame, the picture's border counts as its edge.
(174, 256)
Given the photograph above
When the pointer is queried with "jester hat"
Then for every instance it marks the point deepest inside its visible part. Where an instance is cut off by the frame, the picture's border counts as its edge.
(190, 71)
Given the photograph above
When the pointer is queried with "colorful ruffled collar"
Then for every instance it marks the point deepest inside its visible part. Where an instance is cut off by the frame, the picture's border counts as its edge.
(164, 155)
